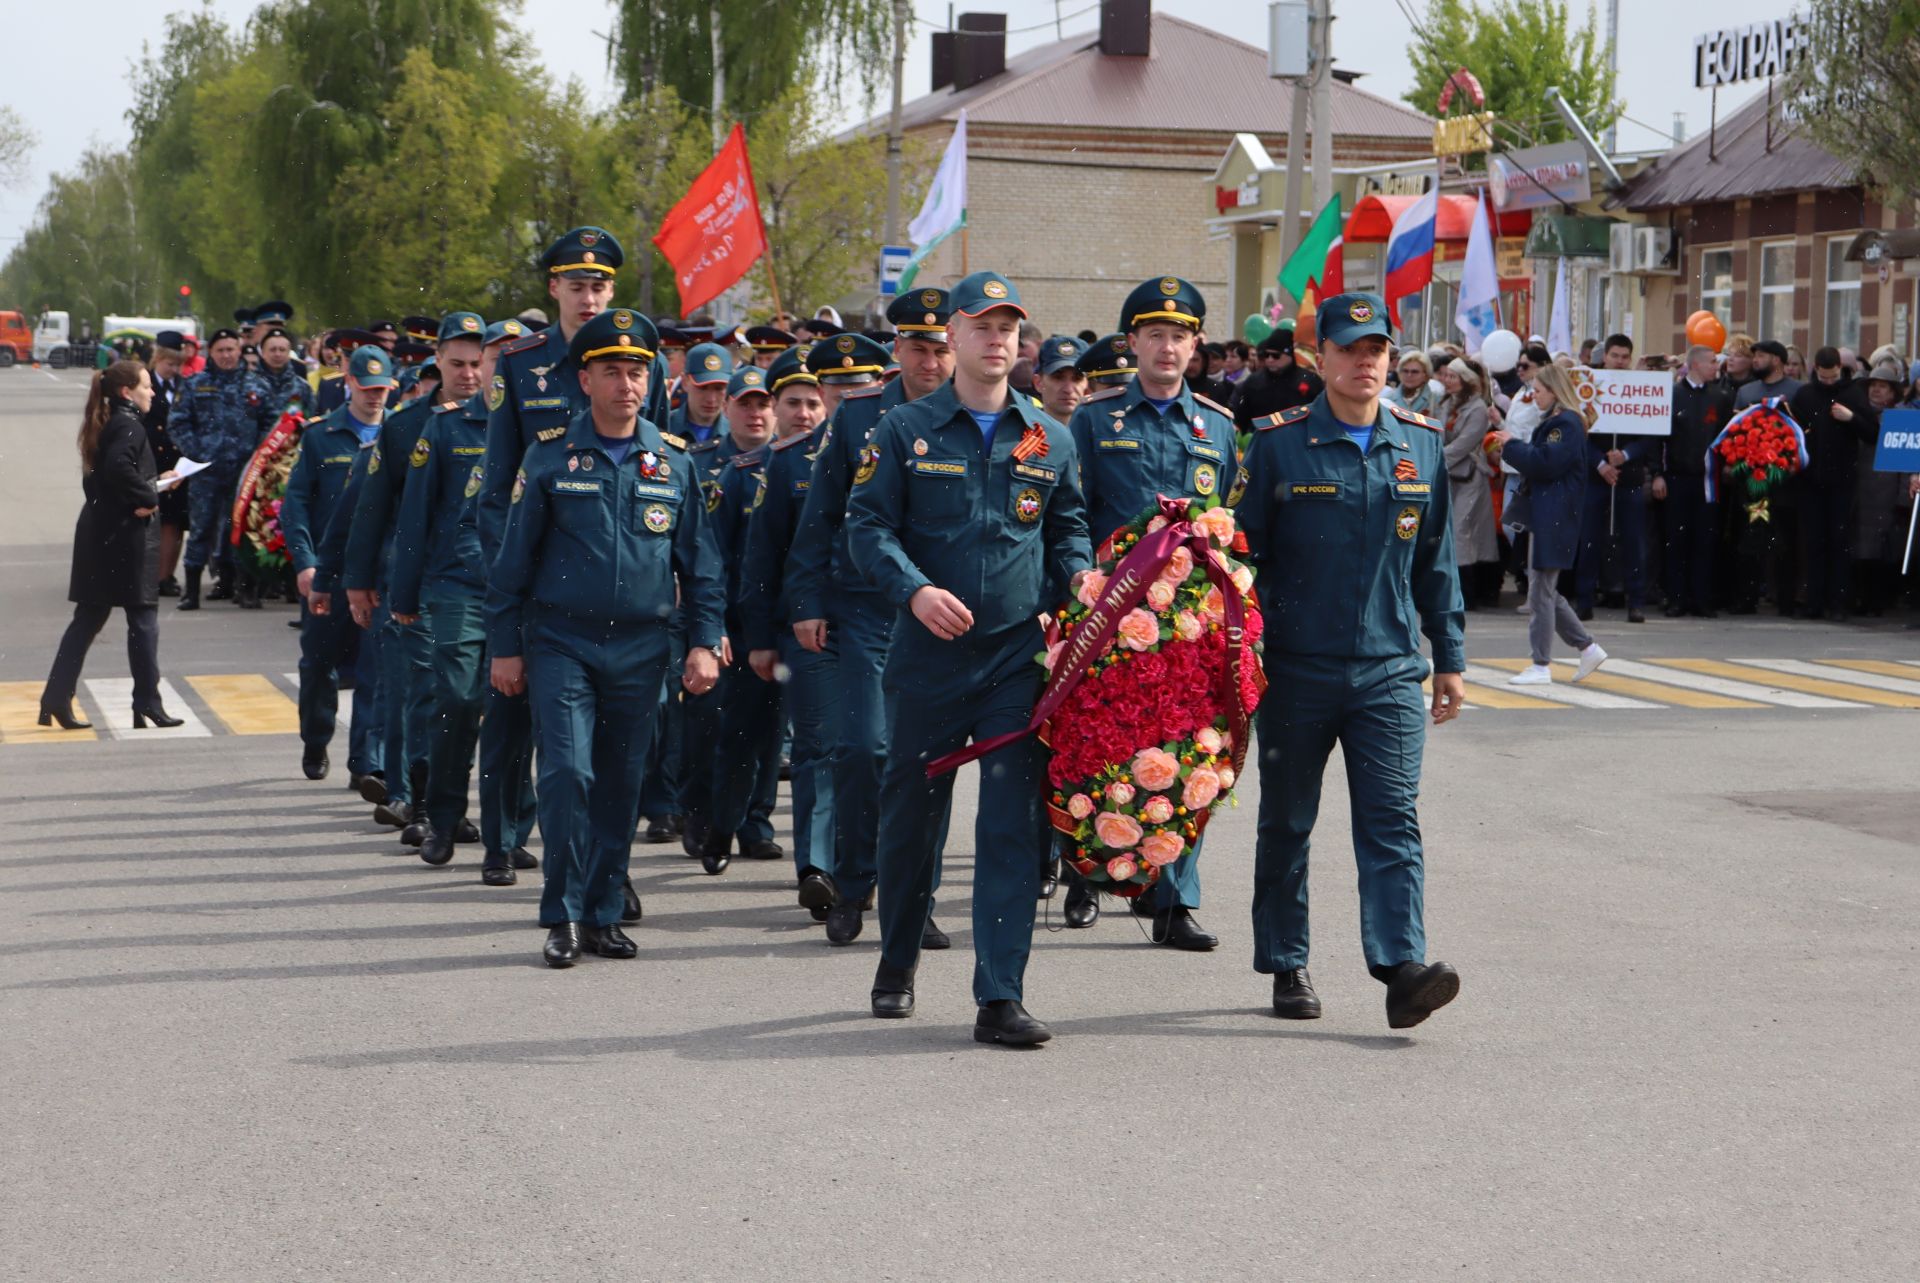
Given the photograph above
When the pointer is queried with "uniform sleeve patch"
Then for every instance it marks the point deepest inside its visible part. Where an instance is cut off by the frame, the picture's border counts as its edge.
(420, 452)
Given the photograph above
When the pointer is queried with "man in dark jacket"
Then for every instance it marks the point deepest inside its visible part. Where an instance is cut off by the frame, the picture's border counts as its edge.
(1702, 404)
(1280, 383)
(1833, 410)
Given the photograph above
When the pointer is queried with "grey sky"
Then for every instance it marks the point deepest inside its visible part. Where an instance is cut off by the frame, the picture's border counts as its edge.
(72, 88)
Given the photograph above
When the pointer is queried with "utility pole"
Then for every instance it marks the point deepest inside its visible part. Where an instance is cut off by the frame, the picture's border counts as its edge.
(719, 76)
(902, 10)
(1296, 163)
(1323, 103)
(1613, 62)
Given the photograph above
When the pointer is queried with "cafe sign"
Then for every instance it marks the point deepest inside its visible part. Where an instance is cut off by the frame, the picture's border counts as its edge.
(1537, 176)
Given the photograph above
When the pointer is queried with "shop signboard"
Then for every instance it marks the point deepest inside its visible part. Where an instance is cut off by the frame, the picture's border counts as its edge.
(1537, 176)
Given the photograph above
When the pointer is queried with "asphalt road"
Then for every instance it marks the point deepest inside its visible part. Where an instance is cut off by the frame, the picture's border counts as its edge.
(248, 1036)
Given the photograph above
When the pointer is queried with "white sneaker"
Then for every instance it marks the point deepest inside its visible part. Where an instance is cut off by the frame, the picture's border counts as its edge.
(1532, 675)
(1590, 659)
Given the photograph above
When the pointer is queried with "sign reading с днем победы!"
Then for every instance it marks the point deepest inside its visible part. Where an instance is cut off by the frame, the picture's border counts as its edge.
(1635, 402)
(1898, 449)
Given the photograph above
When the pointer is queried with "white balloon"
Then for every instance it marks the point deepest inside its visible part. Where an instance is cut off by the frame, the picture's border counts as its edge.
(1501, 351)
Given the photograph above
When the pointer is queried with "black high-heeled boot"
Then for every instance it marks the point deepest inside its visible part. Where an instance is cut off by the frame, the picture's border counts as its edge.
(156, 714)
(68, 719)
(190, 600)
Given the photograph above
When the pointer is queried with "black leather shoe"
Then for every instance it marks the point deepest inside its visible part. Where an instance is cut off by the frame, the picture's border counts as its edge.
(817, 890)
(1673, 612)
(495, 871)
(612, 942)
(1049, 879)
(1176, 929)
(1293, 995)
(1141, 906)
(563, 945)
(630, 910)
(157, 715)
(1636, 617)
(314, 762)
(70, 721)
(521, 858)
(892, 995)
(933, 937)
(1083, 904)
(658, 831)
(716, 853)
(1415, 990)
(693, 835)
(168, 587)
(1006, 1022)
(844, 921)
(395, 815)
(464, 832)
(819, 914)
(437, 847)
(766, 850)
(415, 834)
(371, 788)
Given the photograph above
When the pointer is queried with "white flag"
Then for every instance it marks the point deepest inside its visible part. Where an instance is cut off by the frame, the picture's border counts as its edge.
(945, 209)
(1478, 312)
(1560, 320)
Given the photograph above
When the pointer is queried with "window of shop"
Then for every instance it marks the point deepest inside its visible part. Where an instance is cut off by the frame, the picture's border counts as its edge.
(1716, 284)
(1776, 292)
(1843, 295)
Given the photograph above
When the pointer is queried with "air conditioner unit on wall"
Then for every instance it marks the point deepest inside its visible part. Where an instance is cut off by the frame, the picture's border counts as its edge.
(1620, 248)
(1653, 252)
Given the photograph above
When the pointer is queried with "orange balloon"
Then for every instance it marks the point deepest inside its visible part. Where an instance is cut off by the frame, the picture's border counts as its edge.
(1706, 330)
(1696, 316)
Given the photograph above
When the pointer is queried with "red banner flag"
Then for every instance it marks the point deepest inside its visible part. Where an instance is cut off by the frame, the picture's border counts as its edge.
(714, 234)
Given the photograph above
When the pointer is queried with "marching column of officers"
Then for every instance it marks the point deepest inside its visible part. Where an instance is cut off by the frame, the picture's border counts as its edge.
(551, 568)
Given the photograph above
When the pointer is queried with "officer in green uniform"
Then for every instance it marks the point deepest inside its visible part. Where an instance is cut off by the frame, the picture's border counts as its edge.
(1107, 363)
(966, 506)
(314, 488)
(702, 420)
(438, 578)
(405, 650)
(1347, 524)
(832, 604)
(746, 758)
(1152, 437)
(605, 529)
(1061, 383)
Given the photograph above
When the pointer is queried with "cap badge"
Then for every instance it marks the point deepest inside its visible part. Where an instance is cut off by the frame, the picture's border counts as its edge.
(1119, 342)
(1169, 286)
(931, 319)
(844, 343)
(1360, 311)
(622, 319)
(713, 361)
(587, 257)
(1120, 362)
(589, 237)
(469, 323)
(929, 298)
(626, 340)
(573, 463)
(1066, 349)
(373, 367)
(994, 289)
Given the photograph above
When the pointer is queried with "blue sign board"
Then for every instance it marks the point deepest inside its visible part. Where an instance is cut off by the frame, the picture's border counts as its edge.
(1899, 445)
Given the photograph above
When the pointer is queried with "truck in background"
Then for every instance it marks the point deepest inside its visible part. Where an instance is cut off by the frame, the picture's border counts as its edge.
(16, 339)
(53, 340)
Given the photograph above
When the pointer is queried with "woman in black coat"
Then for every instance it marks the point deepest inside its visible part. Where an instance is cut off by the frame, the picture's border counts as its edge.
(115, 547)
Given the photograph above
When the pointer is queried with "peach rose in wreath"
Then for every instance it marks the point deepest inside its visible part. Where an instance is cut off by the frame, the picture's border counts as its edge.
(1213, 605)
(1225, 772)
(1178, 567)
(1120, 793)
(1155, 768)
(1156, 524)
(1243, 579)
(1139, 630)
(1091, 587)
(1120, 868)
(1209, 740)
(1079, 806)
(1202, 787)
(1187, 626)
(1115, 830)
(1160, 849)
(1158, 809)
(1216, 524)
(1159, 596)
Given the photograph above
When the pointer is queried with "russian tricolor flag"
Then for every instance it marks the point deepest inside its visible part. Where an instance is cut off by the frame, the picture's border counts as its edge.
(1409, 261)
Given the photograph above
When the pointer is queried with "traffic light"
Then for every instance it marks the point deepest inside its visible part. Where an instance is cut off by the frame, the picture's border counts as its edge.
(186, 291)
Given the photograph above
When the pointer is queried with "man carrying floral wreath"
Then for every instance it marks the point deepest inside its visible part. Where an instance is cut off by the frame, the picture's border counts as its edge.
(1346, 519)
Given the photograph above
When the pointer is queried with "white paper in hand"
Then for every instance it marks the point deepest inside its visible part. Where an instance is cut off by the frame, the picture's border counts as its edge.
(181, 471)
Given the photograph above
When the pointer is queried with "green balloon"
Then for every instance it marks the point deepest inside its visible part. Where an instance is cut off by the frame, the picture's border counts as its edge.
(1288, 323)
(1255, 329)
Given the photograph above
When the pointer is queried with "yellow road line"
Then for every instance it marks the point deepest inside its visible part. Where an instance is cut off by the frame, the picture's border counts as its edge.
(1792, 682)
(1633, 686)
(248, 703)
(1494, 697)
(1880, 667)
(20, 717)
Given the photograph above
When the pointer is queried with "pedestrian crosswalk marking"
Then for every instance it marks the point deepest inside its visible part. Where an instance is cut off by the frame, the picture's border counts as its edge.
(342, 719)
(1500, 697)
(1907, 675)
(1761, 694)
(1558, 693)
(247, 703)
(114, 696)
(20, 717)
(1635, 687)
(1787, 681)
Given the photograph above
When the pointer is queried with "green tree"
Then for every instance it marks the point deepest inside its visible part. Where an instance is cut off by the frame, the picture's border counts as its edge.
(652, 149)
(87, 250)
(1517, 49)
(1856, 85)
(16, 144)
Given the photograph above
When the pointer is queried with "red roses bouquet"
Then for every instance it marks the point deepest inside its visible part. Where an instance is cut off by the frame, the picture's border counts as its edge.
(263, 487)
(1761, 446)
(1155, 673)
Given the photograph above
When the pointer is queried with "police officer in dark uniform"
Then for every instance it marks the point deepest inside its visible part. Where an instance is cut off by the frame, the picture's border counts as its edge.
(1154, 436)
(966, 507)
(1347, 524)
(285, 382)
(217, 420)
(315, 488)
(1281, 383)
(168, 355)
(833, 603)
(605, 528)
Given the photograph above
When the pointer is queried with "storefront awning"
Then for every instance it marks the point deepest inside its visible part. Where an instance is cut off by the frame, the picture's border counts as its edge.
(1874, 245)
(1372, 220)
(1568, 235)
